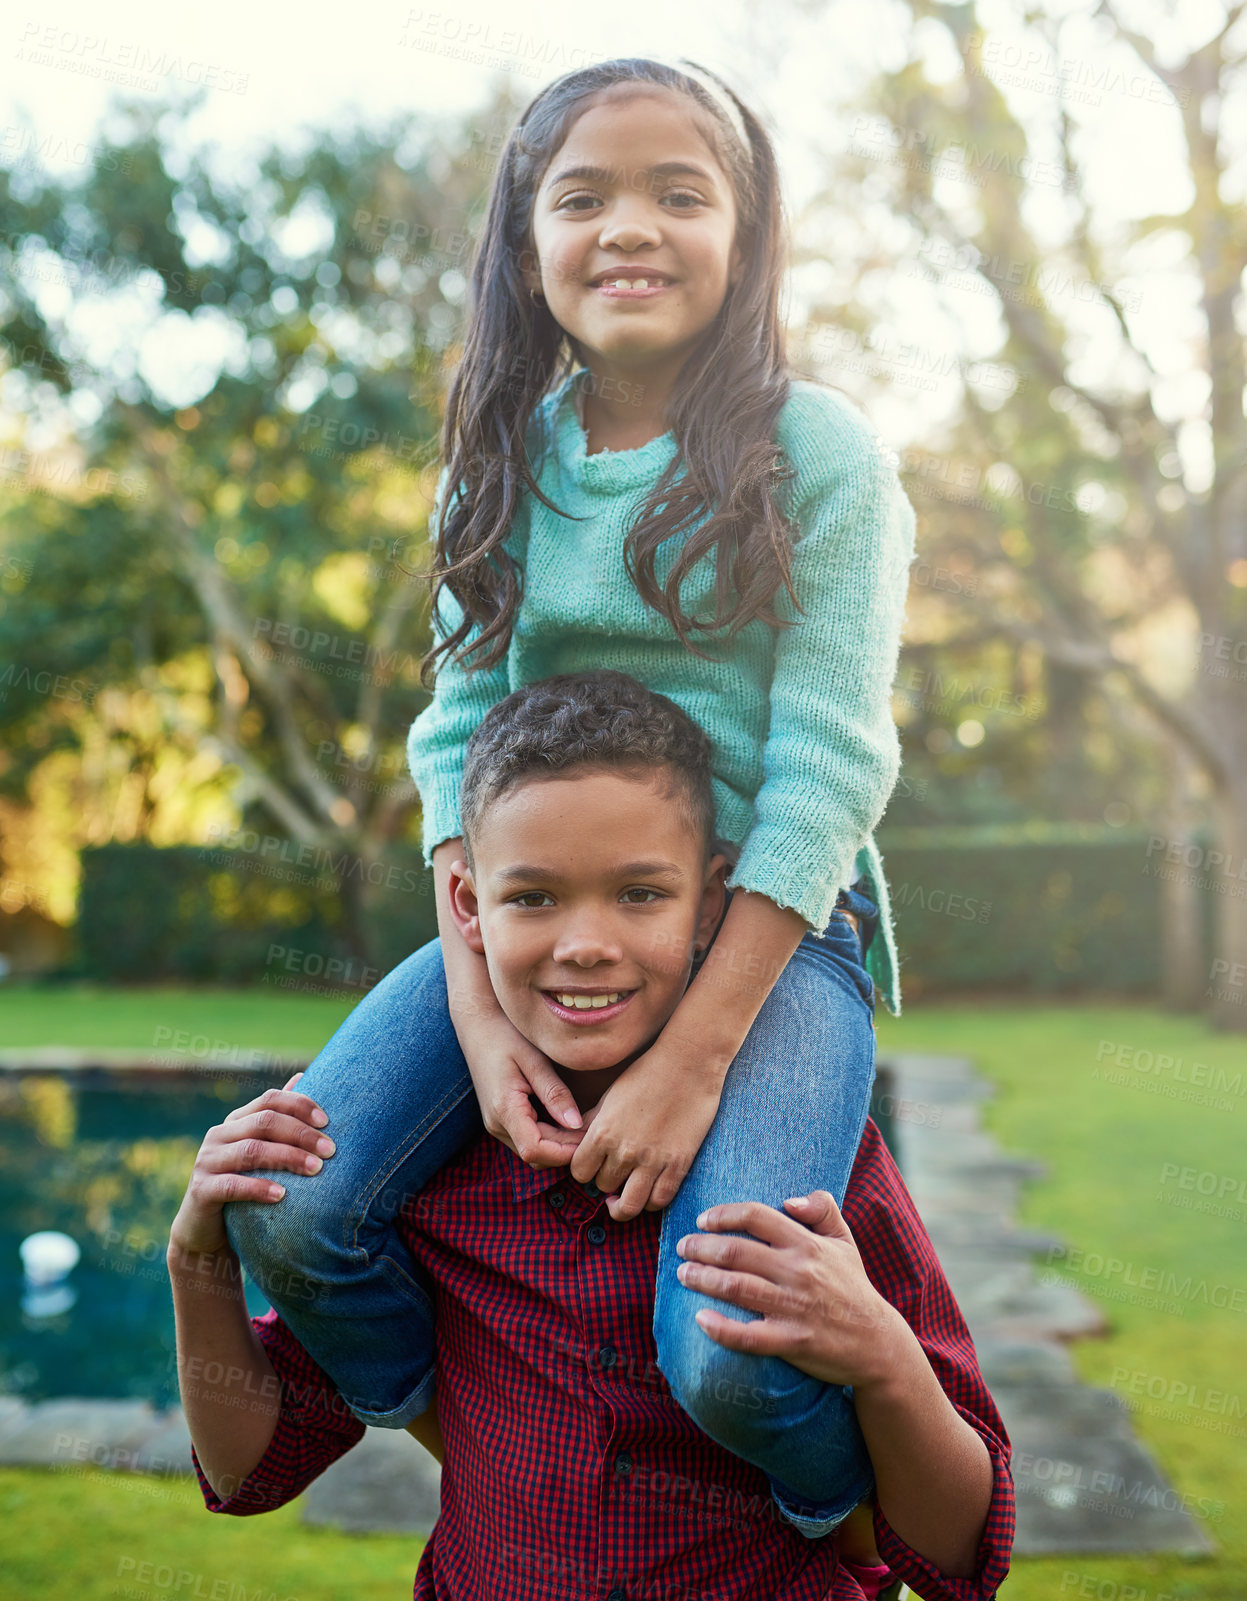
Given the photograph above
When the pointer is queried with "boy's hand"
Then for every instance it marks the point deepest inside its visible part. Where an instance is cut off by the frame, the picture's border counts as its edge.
(642, 1136)
(276, 1130)
(506, 1070)
(820, 1311)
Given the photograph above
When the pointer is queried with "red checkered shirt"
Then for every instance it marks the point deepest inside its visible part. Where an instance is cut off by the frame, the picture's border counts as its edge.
(571, 1472)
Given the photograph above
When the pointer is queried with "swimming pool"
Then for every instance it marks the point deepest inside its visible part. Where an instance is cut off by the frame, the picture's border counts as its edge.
(103, 1157)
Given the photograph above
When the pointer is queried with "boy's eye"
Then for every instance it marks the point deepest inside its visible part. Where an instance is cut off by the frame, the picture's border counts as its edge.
(637, 889)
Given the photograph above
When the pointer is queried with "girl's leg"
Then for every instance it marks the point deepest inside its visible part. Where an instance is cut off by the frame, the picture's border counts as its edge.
(794, 1104)
(401, 1103)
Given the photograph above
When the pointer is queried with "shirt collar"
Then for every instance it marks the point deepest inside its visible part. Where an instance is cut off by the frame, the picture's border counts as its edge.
(529, 1181)
(526, 1181)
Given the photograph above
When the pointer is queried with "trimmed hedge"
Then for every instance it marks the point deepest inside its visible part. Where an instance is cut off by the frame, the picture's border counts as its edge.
(1070, 911)
(214, 915)
(1073, 912)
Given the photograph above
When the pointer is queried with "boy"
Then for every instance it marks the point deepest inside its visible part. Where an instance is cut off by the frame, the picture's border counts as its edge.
(569, 1469)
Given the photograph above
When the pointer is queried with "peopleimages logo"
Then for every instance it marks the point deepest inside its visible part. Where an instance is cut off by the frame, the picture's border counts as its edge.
(342, 865)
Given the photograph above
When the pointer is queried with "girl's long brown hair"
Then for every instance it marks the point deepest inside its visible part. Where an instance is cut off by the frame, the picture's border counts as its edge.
(723, 407)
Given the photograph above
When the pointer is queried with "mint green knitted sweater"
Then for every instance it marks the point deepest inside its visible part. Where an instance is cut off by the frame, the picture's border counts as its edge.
(806, 751)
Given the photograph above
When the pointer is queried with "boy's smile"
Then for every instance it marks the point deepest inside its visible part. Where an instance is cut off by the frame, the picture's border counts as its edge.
(588, 900)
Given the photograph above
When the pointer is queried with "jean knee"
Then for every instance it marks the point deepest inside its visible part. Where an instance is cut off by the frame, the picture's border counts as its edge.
(732, 1396)
(283, 1244)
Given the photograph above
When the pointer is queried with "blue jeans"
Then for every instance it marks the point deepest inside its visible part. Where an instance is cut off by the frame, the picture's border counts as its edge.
(401, 1103)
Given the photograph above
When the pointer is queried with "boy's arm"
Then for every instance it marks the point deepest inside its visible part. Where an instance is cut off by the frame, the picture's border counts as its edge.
(945, 1513)
(933, 1473)
(264, 1419)
(230, 1392)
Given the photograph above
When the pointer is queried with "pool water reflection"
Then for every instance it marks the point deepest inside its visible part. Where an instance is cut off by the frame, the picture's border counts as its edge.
(103, 1157)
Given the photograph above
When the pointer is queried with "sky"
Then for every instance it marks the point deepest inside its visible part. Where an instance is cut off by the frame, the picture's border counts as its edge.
(274, 70)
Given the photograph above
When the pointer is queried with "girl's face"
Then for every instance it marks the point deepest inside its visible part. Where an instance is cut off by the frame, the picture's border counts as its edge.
(635, 189)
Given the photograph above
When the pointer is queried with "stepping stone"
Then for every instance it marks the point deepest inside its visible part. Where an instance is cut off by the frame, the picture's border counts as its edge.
(1014, 1364)
(1098, 1493)
(105, 1434)
(167, 1450)
(12, 1414)
(387, 1483)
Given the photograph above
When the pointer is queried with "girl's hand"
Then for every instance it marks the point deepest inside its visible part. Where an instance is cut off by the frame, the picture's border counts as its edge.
(819, 1310)
(642, 1136)
(276, 1130)
(506, 1069)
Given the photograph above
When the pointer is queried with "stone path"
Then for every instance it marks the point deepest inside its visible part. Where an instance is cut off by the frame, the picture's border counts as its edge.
(1085, 1483)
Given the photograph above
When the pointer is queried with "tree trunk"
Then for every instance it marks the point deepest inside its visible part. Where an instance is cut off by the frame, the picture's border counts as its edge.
(355, 930)
(1184, 966)
(1226, 988)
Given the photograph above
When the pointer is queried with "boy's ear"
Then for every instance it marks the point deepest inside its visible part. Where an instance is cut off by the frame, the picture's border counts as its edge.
(463, 906)
(713, 900)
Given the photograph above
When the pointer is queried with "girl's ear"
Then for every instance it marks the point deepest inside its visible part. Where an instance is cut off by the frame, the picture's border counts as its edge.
(530, 270)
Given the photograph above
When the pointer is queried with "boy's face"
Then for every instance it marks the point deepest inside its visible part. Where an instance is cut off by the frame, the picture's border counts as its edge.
(593, 885)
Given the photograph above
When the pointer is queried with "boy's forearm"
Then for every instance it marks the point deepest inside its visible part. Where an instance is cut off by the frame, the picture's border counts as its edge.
(754, 944)
(230, 1393)
(469, 988)
(933, 1474)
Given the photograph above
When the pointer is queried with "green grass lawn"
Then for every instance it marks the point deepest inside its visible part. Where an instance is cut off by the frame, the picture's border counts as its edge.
(152, 1019)
(95, 1535)
(1075, 1089)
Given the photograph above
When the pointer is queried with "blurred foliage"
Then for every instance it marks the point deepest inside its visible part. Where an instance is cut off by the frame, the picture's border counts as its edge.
(228, 389)
(1081, 505)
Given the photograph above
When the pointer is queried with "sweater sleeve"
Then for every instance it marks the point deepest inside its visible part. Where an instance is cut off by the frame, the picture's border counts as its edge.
(832, 753)
(438, 737)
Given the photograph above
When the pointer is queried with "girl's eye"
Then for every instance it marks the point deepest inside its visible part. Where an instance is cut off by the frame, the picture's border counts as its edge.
(569, 201)
(640, 889)
(528, 895)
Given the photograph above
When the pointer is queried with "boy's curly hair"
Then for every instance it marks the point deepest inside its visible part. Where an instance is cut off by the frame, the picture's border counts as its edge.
(597, 719)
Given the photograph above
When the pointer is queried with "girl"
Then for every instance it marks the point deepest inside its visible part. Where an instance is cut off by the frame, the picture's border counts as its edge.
(624, 341)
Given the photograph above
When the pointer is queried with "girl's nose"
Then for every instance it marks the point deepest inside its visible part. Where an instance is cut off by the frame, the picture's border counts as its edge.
(629, 231)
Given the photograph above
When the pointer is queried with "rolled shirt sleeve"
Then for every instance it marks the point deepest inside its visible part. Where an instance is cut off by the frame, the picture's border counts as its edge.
(995, 1544)
(314, 1429)
(832, 753)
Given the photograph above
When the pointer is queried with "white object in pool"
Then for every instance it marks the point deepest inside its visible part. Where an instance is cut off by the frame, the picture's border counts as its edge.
(48, 1256)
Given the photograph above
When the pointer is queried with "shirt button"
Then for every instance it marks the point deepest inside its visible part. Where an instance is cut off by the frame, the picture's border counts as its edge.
(596, 1233)
(623, 1464)
(617, 1595)
(592, 1189)
(558, 1199)
(608, 1356)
